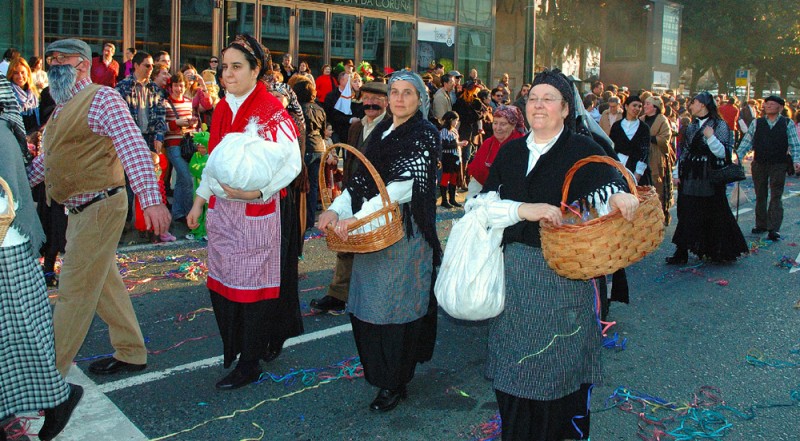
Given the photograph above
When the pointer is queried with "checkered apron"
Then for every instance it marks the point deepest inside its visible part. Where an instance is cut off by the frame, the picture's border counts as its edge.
(29, 380)
(546, 343)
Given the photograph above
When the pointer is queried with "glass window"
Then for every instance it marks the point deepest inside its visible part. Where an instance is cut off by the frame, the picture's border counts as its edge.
(195, 35)
(373, 35)
(51, 20)
(275, 31)
(91, 22)
(400, 49)
(343, 38)
(435, 44)
(95, 23)
(70, 21)
(16, 27)
(153, 35)
(439, 9)
(475, 12)
(239, 19)
(312, 40)
(112, 23)
(475, 52)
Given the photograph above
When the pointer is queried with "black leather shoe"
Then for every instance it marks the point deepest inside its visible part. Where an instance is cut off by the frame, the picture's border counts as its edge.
(238, 378)
(273, 352)
(56, 419)
(677, 260)
(774, 236)
(388, 399)
(110, 365)
(327, 304)
(757, 230)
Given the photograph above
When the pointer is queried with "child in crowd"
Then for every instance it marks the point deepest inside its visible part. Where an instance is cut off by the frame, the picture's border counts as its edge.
(333, 175)
(196, 166)
(139, 223)
(451, 159)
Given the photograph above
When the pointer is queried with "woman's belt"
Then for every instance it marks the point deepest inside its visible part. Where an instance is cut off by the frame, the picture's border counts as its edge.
(104, 195)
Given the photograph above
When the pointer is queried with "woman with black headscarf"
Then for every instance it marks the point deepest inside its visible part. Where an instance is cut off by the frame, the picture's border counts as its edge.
(394, 314)
(632, 140)
(544, 349)
(706, 225)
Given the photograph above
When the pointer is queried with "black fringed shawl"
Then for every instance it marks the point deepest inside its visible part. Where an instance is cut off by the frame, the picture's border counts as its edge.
(592, 183)
(637, 149)
(412, 147)
(696, 158)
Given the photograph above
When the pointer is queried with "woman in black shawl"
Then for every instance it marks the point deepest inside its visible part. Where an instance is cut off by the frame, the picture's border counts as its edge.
(706, 225)
(542, 382)
(394, 312)
(632, 141)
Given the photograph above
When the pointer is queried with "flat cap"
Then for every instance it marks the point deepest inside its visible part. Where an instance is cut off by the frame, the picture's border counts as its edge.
(70, 46)
(378, 87)
(776, 99)
(455, 74)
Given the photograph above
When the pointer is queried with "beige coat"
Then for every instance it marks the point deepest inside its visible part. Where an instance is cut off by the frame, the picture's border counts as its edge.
(605, 120)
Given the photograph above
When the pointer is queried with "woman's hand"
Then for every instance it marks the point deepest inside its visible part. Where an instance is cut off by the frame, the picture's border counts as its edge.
(327, 217)
(235, 193)
(332, 159)
(546, 213)
(708, 132)
(342, 227)
(195, 213)
(626, 203)
(676, 181)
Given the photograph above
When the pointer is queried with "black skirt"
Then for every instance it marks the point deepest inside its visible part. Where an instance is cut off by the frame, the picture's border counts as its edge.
(707, 227)
(554, 420)
(244, 327)
(289, 319)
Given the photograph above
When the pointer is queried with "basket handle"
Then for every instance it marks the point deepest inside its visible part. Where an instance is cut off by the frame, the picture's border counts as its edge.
(601, 160)
(9, 196)
(325, 195)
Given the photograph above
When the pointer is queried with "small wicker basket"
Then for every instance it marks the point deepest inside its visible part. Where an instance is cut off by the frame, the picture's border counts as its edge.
(364, 242)
(6, 218)
(606, 244)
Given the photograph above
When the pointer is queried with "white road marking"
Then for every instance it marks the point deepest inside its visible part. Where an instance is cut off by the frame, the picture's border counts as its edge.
(213, 361)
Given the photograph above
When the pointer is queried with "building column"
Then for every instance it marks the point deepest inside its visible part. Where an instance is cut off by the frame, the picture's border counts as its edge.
(217, 28)
(175, 35)
(128, 24)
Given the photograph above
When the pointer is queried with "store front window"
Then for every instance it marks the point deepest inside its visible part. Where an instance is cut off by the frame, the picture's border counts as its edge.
(444, 10)
(475, 12)
(400, 49)
(435, 44)
(94, 23)
(475, 51)
(312, 40)
(195, 35)
(153, 26)
(239, 19)
(343, 38)
(373, 42)
(16, 24)
(275, 31)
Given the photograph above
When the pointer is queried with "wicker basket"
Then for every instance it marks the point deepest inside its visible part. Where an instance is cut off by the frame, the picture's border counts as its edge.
(8, 217)
(606, 244)
(370, 241)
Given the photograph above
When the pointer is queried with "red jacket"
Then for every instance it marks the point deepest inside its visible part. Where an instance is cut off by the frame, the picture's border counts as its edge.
(730, 114)
(105, 75)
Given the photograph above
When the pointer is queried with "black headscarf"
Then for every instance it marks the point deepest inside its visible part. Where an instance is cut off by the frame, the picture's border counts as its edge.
(554, 77)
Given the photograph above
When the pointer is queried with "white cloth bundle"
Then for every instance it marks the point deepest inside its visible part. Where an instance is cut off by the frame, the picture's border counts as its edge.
(246, 161)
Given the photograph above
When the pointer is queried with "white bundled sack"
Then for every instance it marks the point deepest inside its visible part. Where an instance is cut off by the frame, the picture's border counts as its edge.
(471, 281)
(245, 161)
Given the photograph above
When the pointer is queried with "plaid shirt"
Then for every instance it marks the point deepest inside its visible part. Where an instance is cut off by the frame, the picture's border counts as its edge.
(791, 132)
(109, 116)
(156, 112)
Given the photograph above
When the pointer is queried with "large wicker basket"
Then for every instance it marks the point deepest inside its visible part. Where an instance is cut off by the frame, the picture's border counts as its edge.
(8, 217)
(606, 244)
(364, 242)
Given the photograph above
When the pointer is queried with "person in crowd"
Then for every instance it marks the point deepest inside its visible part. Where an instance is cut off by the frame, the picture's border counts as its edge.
(245, 228)
(127, 67)
(92, 122)
(8, 55)
(771, 138)
(213, 66)
(611, 115)
(287, 70)
(145, 101)
(338, 106)
(522, 97)
(729, 111)
(661, 156)
(8, 103)
(28, 375)
(504, 81)
(498, 98)
(163, 57)
(507, 126)
(105, 68)
(394, 316)
(485, 99)
(26, 93)
(706, 225)
(314, 116)
(597, 88)
(797, 121)
(590, 104)
(747, 115)
(356, 106)
(304, 70)
(160, 76)
(197, 90)
(325, 83)
(37, 72)
(196, 165)
(631, 139)
(457, 77)
(181, 122)
(442, 99)
(374, 95)
(543, 394)
(140, 223)
(450, 159)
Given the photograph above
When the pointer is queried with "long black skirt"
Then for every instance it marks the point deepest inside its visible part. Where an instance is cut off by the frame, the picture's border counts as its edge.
(244, 327)
(288, 319)
(554, 420)
(707, 227)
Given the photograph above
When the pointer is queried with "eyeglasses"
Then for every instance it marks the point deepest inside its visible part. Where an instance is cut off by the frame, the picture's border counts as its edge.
(60, 58)
(214, 61)
(548, 100)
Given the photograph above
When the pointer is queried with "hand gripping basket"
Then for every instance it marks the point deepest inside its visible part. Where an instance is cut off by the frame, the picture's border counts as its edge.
(8, 217)
(364, 242)
(606, 244)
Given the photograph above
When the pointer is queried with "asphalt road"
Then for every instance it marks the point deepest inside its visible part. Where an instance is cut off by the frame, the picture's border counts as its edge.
(685, 329)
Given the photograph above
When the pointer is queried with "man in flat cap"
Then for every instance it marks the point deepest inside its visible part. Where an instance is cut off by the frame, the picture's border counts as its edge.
(90, 144)
(771, 138)
(374, 96)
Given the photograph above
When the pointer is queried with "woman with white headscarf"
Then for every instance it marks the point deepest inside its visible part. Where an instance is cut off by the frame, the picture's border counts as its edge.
(394, 315)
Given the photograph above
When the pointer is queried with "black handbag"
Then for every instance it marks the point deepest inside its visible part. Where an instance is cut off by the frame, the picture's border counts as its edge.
(726, 174)
(188, 148)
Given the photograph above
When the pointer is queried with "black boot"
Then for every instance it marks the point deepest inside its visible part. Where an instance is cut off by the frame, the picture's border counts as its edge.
(451, 191)
(680, 257)
(443, 192)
